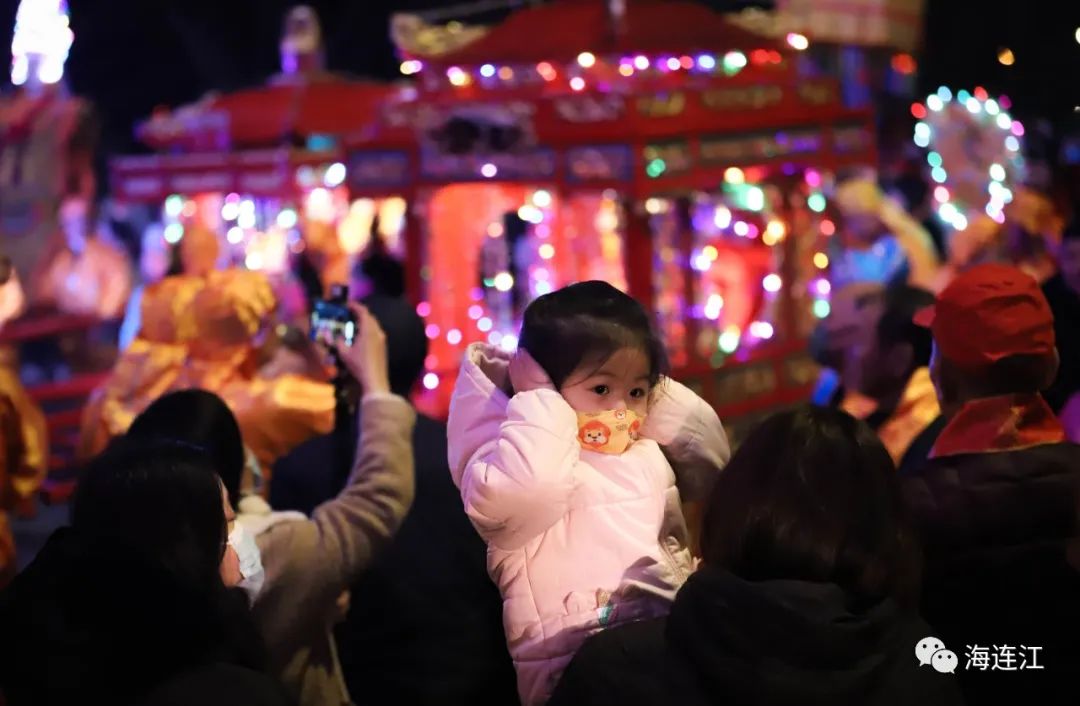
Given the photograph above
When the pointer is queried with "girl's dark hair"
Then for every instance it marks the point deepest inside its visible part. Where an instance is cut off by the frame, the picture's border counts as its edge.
(812, 495)
(587, 323)
(202, 419)
(160, 499)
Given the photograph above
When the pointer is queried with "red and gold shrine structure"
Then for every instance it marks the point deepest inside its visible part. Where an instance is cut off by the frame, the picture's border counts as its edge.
(653, 144)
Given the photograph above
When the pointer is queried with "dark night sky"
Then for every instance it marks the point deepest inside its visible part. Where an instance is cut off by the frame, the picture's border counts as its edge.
(131, 55)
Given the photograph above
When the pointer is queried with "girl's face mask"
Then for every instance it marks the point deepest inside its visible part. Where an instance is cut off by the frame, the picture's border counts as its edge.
(608, 432)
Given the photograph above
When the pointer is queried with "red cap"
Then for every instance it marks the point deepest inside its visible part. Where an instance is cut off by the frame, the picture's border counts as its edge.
(988, 313)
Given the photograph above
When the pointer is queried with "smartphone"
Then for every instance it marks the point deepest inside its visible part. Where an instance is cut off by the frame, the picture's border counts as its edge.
(331, 319)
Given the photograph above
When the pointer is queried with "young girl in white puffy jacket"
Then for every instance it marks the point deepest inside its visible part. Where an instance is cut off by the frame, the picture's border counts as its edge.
(564, 456)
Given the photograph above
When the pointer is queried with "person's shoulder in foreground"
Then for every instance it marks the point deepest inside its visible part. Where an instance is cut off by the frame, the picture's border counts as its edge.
(639, 664)
(136, 592)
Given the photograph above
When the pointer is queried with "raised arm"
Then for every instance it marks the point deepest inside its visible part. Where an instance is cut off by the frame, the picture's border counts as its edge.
(309, 563)
(691, 435)
(924, 265)
(512, 459)
(519, 484)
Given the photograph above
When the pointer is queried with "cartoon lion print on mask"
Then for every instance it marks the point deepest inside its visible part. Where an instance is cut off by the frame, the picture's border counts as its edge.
(594, 434)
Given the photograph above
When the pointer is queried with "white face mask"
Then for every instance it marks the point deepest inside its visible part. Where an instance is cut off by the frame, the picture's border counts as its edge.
(251, 568)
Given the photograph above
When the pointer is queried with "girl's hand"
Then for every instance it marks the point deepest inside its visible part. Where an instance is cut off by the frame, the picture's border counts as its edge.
(366, 358)
(526, 374)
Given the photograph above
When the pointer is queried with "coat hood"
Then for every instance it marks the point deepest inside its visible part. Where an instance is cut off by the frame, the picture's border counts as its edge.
(478, 405)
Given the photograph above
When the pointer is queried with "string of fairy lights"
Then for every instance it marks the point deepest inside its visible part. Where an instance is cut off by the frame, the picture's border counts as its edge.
(599, 71)
(589, 69)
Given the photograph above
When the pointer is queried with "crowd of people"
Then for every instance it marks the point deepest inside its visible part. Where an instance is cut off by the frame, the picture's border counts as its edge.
(579, 531)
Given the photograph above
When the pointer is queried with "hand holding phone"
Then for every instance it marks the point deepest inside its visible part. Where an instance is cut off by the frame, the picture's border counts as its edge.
(366, 359)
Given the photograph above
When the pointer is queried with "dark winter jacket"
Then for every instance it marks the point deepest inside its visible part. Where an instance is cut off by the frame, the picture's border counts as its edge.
(88, 622)
(731, 641)
(1002, 551)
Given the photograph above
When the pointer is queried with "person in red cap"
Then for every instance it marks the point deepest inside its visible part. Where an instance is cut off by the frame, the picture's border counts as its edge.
(998, 502)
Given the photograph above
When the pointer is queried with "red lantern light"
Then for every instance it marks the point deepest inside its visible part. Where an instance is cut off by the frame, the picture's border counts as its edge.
(759, 57)
(904, 64)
